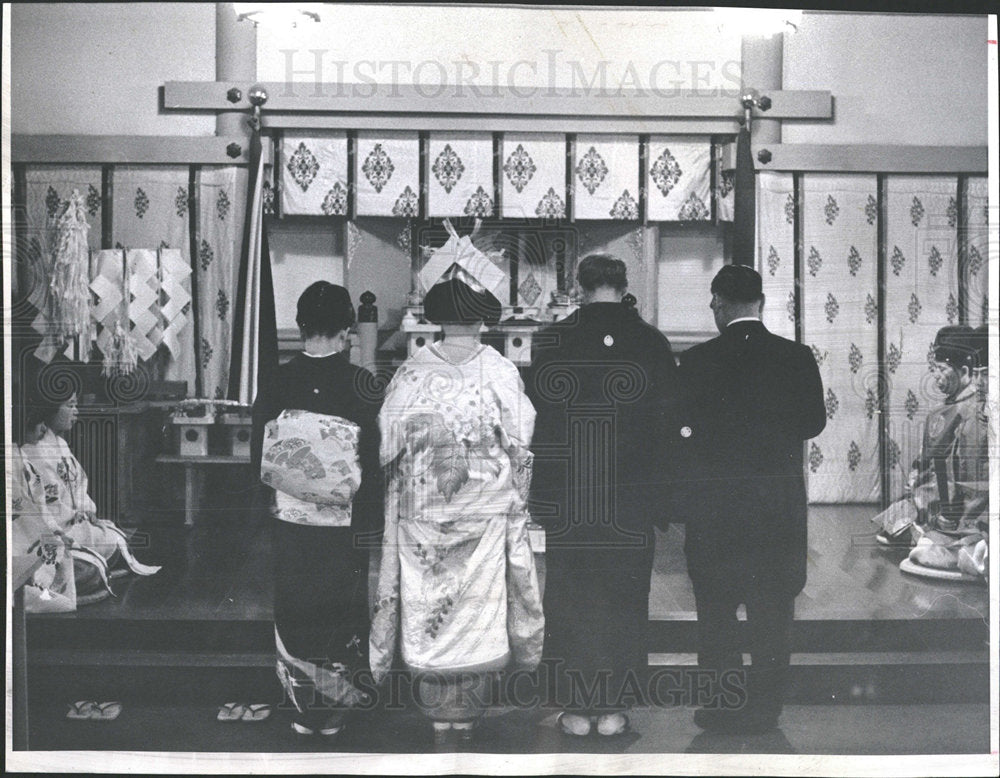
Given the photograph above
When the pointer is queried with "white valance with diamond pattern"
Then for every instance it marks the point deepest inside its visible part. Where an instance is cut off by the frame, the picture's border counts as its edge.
(678, 180)
(460, 174)
(387, 172)
(606, 177)
(314, 173)
(533, 175)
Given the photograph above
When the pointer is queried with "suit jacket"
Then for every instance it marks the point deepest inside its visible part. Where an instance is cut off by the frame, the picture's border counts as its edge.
(602, 382)
(752, 399)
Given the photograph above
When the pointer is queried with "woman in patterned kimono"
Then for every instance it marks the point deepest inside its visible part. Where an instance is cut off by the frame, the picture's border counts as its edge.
(321, 550)
(52, 588)
(100, 548)
(458, 591)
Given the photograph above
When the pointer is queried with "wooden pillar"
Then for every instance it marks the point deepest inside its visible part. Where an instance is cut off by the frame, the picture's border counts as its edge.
(235, 60)
(762, 57)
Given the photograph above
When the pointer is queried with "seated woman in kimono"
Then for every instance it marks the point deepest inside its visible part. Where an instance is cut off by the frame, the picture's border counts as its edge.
(100, 548)
(949, 484)
(458, 591)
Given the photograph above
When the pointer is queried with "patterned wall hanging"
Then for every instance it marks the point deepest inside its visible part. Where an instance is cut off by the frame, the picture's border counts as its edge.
(977, 264)
(387, 172)
(47, 190)
(776, 250)
(606, 177)
(921, 296)
(839, 282)
(314, 173)
(533, 175)
(460, 174)
(219, 238)
(678, 179)
(150, 208)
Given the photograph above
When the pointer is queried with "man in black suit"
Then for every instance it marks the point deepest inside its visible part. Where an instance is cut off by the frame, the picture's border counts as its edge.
(752, 399)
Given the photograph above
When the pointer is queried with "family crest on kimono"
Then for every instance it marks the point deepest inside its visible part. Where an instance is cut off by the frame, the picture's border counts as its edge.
(315, 442)
(943, 512)
(458, 594)
(98, 547)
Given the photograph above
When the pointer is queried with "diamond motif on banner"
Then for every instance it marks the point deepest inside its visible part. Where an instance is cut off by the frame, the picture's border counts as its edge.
(693, 209)
(853, 457)
(666, 172)
(855, 358)
(952, 212)
(625, 207)
(205, 255)
(407, 204)
(831, 210)
(832, 307)
(551, 206)
(591, 170)
(181, 201)
(530, 289)
(897, 260)
(871, 309)
(221, 305)
(832, 404)
(934, 260)
(815, 457)
(790, 209)
(951, 309)
(773, 260)
(814, 262)
(141, 203)
(222, 205)
(912, 404)
(448, 168)
(93, 200)
(820, 357)
(893, 357)
(871, 210)
(853, 261)
(914, 308)
(916, 211)
(378, 168)
(871, 404)
(303, 166)
(975, 260)
(893, 454)
(479, 204)
(335, 202)
(520, 168)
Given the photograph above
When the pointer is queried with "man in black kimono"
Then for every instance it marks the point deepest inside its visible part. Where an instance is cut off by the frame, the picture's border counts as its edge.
(601, 381)
(752, 399)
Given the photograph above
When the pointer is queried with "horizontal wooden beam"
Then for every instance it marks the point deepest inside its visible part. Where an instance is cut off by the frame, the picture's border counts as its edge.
(479, 123)
(293, 97)
(864, 158)
(130, 150)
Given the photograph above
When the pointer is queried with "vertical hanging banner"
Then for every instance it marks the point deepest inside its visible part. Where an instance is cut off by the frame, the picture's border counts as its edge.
(921, 296)
(977, 264)
(678, 179)
(314, 173)
(744, 206)
(606, 177)
(776, 250)
(460, 174)
(387, 172)
(724, 194)
(840, 324)
(533, 175)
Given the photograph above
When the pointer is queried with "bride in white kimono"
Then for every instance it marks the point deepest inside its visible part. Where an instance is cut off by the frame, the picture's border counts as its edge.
(65, 486)
(457, 591)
